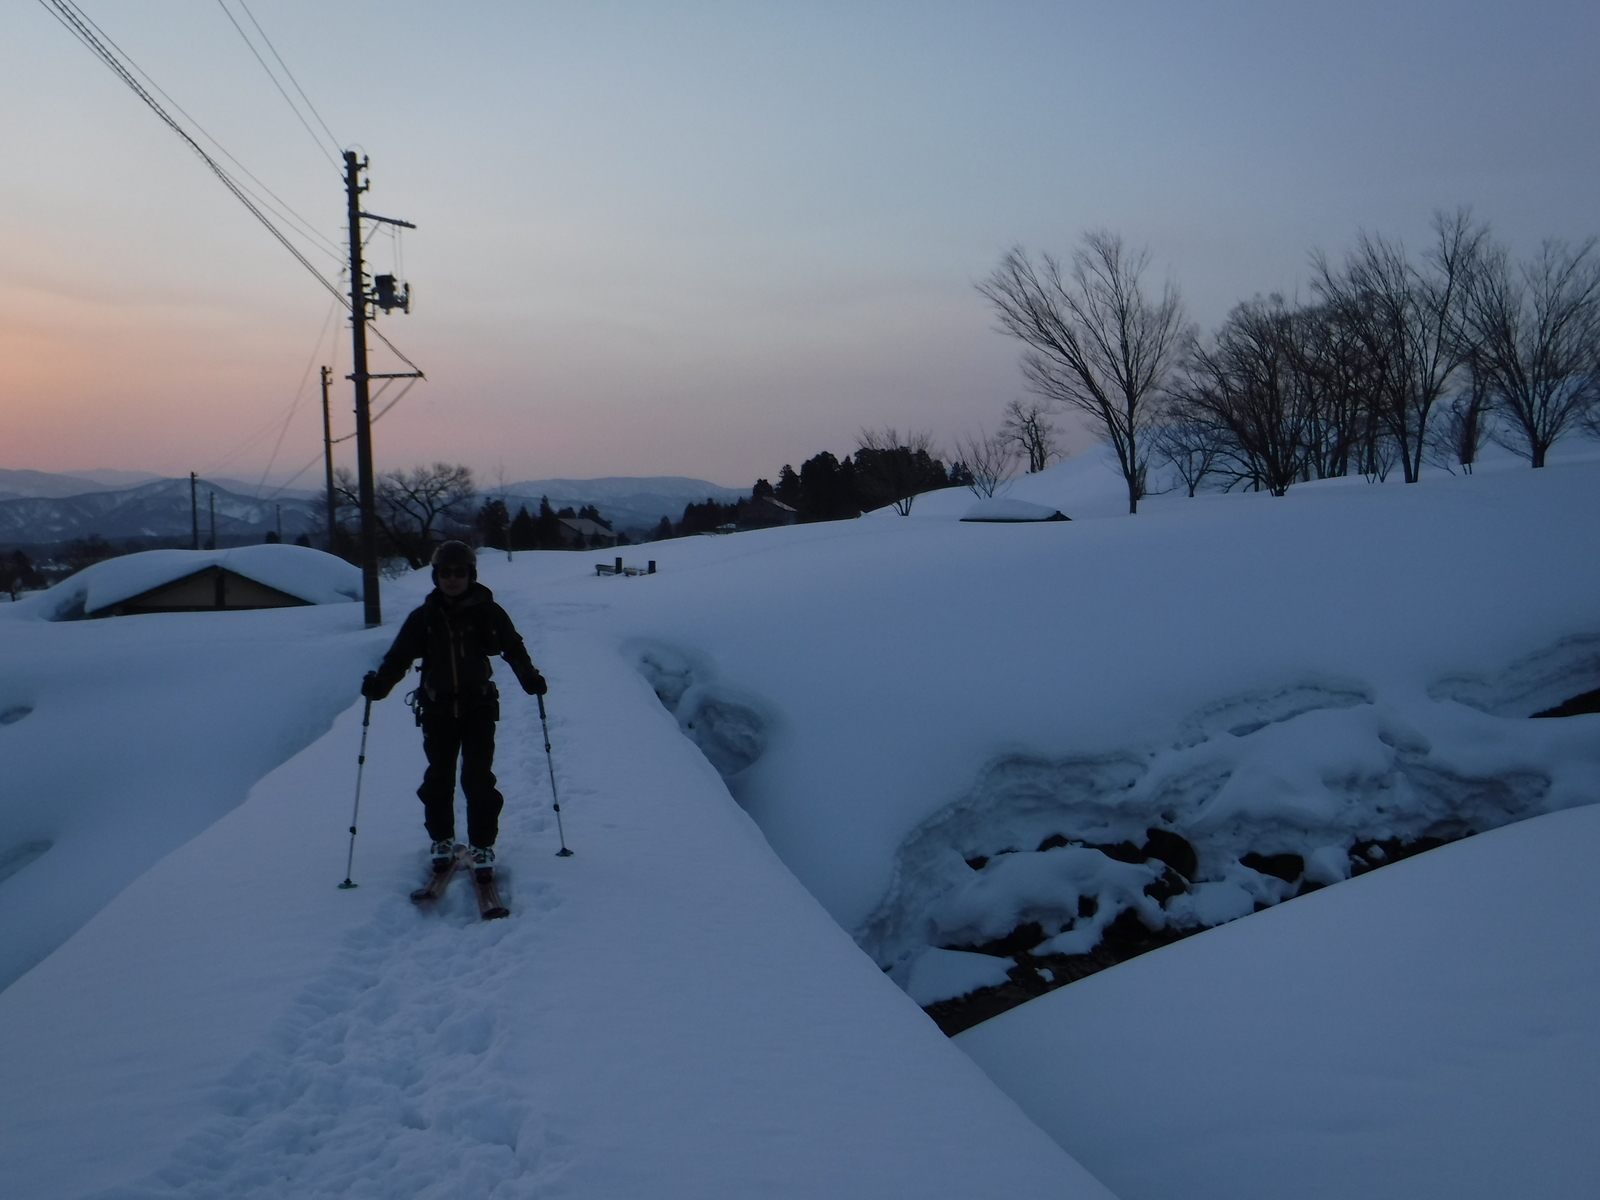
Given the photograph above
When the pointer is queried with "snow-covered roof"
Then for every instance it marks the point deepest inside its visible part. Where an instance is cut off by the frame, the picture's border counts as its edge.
(312, 575)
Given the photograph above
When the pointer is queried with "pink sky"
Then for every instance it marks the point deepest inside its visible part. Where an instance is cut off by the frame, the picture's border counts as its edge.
(712, 239)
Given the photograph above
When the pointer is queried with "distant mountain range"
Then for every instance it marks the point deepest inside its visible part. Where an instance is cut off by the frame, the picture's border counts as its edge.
(16, 485)
(39, 508)
(156, 512)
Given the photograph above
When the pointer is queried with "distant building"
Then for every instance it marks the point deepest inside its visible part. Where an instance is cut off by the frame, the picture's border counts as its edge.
(764, 512)
(172, 581)
(210, 589)
(579, 532)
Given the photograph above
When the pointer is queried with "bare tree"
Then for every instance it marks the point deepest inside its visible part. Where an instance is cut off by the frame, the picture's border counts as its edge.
(1252, 384)
(1534, 334)
(1094, 341)
(1029, 432)
(413, 506)
(988, 460)
(1464, 422)
(1404, 318)
(1189, 443)
(891, 469)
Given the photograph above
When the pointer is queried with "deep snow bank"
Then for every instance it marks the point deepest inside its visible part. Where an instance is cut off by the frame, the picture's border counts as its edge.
(950, 731)
(124, 738)
(1425, 1032)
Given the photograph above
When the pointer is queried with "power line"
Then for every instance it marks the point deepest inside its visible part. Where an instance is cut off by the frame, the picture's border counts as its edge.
(73, 18)
(85, 30)
(283, 209)
(335, 141)
(286, 98)
(299, 392)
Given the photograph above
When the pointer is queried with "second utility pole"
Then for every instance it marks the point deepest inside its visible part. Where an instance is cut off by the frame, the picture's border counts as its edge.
(327, 462)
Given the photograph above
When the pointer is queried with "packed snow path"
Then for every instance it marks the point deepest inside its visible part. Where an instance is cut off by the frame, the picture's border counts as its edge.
(667, 1013)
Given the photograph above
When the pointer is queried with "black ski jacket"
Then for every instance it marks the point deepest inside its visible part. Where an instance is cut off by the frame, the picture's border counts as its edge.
(454, 639)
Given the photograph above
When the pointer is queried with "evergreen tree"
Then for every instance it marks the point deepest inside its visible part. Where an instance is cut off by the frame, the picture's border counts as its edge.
(493, 524)
(663, 530)
(828, 489)
(547, 532)
(523, 533)
(788, 490)
(707, 517)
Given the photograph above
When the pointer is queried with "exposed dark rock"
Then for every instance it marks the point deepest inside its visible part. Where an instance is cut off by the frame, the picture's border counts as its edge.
(1121, 851)
(1169, 885)
(1127, 936)
(1588, 702)
(1172, 849)
(1287, 867)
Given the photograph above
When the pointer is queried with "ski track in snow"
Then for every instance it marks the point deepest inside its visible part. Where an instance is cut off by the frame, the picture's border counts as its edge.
(338, 1103)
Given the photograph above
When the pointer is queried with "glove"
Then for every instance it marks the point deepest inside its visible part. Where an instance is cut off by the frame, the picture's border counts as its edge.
(371, 688)
(535, 685)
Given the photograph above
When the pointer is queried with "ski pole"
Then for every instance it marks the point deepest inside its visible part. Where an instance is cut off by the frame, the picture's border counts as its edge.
(361, 766)
(554, 798)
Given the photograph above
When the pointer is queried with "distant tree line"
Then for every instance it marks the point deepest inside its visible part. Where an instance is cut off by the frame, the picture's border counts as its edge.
(499, 530)
(1393, 360)
(18, 574)
(888, 469)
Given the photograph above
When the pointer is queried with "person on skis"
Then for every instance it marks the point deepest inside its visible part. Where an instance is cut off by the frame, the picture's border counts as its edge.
(453, 632)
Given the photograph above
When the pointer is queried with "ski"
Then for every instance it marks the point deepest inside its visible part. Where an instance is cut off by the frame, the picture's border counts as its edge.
(489, 906)
(439, 879)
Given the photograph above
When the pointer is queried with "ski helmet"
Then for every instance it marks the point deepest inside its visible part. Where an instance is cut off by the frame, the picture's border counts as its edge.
(455, 554)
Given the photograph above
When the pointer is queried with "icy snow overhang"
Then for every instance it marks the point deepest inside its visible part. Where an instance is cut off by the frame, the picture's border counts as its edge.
(262, 577)
(1002, 509)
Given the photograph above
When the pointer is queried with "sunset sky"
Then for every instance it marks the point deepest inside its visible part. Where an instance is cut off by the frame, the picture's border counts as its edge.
(708, 239)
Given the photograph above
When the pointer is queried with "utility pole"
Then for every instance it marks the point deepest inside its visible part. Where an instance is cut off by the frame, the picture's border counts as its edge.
(360, 298)
(194, 510)
(327, 460)
(213, 544)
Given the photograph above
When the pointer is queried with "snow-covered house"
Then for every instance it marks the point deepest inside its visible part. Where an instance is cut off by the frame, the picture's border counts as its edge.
(246, 577)
(764, 512)
(1004, 510)
(581, 531)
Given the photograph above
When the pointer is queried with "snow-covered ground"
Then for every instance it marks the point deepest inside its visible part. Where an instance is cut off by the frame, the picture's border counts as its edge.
(667, 1013)
(1425, 1030)
(904, 710)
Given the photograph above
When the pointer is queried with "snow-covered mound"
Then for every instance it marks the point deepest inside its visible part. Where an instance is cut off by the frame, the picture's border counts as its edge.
(312, 575)
(123, 739)
(1426, 1032)
(1007, 508)
(952, 731)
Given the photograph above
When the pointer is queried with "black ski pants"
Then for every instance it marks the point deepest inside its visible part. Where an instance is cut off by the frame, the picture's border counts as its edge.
(469, 736)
